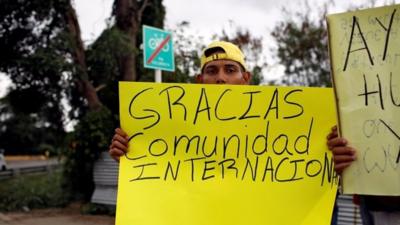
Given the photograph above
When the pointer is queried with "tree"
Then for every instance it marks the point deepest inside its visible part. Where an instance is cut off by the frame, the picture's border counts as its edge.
(29, 31)
(44, 56)
(78, 55)
(128, 19)
(303, 49)
(302, 44)
(95, 128)
(23, 128)
(109, 56)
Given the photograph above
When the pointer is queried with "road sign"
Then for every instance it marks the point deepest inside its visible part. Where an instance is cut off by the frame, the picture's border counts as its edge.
(158, 49)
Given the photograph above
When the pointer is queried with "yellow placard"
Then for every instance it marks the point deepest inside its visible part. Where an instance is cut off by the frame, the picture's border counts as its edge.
(225, 155)
(365, 57)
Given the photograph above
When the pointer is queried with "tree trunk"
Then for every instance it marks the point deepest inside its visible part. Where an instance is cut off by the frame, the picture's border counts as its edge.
(128, 17)
(78, 54)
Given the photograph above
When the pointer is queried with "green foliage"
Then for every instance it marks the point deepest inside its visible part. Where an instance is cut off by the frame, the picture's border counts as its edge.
(91, 137)
(33, 56)
(153, 15)
(256, 75)
(95, 128)
(303, 44)
(26, 23)
(37, 53)
(303, 49)
(33, 191)
(20, 135)
(23, 129)
(32, 46)
(102, 56)
(103, 68)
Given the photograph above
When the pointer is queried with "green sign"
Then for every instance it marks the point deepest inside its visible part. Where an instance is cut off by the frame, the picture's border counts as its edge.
(158, 49)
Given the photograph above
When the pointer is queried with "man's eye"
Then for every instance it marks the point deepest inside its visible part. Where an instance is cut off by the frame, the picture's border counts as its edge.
(230, 70)
(210, 71)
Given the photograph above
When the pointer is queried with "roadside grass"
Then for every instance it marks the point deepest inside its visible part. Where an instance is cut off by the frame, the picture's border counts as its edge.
(28, 192)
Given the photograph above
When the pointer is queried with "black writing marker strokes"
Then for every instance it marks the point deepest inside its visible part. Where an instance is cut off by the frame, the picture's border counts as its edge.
(177, 101)
(395, 97)
(151, 114)
(178, 105)
(365, 47)
(273, 105)
(261, 142)
(249, 106)
(265, 157)
(217, 106)
(202, 106)
(257, 169)
(289, 100)
(380, 90)
(387, 29)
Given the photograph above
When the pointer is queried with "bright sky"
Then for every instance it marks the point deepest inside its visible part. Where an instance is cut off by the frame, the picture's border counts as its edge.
(206, 17)
(209, 17)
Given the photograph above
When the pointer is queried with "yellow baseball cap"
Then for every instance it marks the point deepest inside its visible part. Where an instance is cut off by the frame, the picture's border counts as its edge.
(228, 51)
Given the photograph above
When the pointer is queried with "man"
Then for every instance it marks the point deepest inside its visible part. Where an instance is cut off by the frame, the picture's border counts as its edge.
(221, 63)
(375, 210)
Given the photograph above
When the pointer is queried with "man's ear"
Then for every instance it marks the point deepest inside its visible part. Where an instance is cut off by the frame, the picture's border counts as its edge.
(246, 77)
(199, 78)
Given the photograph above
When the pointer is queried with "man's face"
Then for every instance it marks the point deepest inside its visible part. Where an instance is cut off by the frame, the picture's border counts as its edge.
(223, 72)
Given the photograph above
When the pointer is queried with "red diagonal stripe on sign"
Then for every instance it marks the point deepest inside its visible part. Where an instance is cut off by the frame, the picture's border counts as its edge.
(158, 49)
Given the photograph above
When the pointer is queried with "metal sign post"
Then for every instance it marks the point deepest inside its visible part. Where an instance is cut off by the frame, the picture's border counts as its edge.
(157, 76)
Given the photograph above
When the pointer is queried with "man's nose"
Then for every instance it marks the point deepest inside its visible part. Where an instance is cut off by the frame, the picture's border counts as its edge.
(221, 77)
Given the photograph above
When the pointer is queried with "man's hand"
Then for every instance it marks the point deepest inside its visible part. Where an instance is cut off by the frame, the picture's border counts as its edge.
(119, 144)
(343, 155)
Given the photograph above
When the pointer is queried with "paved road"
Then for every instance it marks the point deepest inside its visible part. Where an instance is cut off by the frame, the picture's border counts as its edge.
(25, 166)
(17, 164)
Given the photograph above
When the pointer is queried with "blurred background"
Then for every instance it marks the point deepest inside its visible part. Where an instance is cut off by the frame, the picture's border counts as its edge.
(61, 60)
